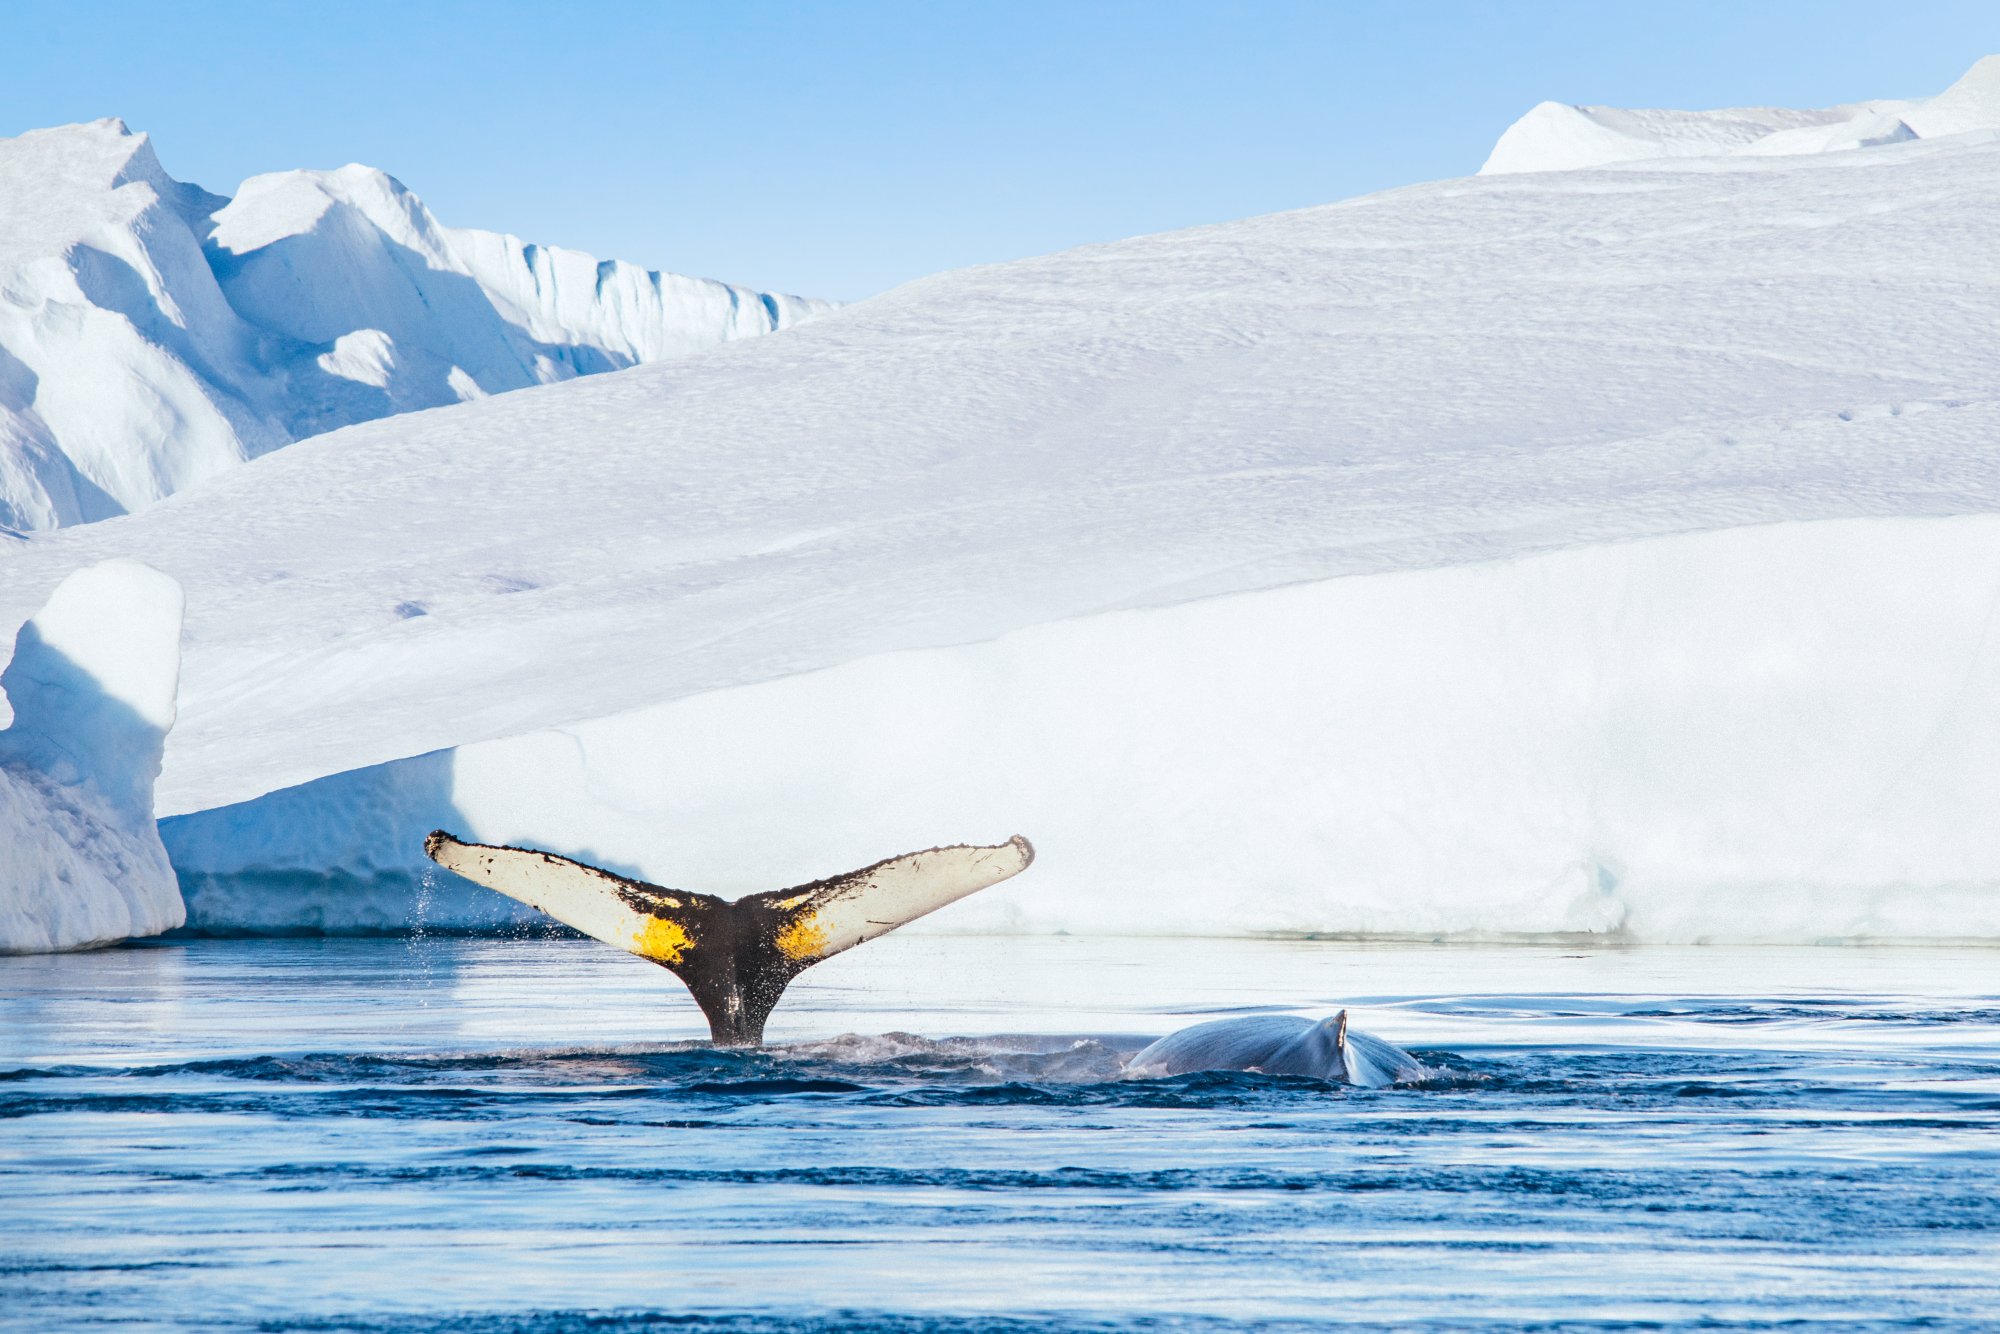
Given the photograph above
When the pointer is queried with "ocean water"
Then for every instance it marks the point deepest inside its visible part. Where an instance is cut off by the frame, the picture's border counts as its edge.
(468, 1135)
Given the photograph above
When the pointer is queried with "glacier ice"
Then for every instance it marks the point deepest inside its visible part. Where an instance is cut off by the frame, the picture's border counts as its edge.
(153, 334)
(91, 684)
(1787, 732)
(1554, 136)
(1178, 552)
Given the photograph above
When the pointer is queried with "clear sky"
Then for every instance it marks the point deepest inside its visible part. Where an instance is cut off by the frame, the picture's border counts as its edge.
(837, 149)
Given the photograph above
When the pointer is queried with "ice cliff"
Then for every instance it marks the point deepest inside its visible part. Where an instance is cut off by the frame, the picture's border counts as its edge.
(1608, 552)
(153, 334)
(1784, 732)
(91, 686)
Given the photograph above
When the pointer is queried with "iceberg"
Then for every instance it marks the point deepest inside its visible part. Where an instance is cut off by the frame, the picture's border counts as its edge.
(1554, 136)
(91, 685)
(1530, 554)
(153, 334)
(1784, 733)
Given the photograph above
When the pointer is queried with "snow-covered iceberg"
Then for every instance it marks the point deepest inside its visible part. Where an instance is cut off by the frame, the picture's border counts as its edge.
(1788, 732)
(1524, 553)
(153, 334)
(1555, 136)
(91, 686)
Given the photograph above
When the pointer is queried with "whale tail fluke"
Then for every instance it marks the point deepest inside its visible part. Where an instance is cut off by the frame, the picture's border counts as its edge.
(736, 958)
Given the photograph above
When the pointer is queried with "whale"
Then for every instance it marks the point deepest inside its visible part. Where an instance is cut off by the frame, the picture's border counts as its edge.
(736, 957)
(1279, 1044)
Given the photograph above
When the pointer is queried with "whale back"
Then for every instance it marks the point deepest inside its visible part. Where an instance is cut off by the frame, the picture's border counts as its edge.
(1278, 1044)
(1220, 1044)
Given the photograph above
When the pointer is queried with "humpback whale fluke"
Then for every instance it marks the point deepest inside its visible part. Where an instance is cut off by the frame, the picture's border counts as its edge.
(737, 958)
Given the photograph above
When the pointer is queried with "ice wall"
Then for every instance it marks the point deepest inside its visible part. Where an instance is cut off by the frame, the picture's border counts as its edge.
(1788, 732)
(92, 686)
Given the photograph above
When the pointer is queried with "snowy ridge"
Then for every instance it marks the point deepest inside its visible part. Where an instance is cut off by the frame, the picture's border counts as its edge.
(1555, 136)
(153, 335)
(1546, 460)
(91, 684)
(352, 261)
(124, 375)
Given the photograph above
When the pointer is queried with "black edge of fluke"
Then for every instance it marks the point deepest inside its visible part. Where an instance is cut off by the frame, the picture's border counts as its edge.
(736, 958)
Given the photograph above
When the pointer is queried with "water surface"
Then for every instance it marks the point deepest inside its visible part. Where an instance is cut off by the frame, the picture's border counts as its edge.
(524, 1134)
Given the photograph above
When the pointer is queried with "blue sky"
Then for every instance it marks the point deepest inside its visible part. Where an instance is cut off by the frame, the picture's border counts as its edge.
(838, 149)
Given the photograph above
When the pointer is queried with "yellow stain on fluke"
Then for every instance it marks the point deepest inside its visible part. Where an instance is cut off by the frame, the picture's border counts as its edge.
(663, 940)
(801, 938)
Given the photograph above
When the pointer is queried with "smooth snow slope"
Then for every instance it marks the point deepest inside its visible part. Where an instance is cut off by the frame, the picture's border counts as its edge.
(1472, 371)
(91, 684)
(1558, 137)
(152, 334)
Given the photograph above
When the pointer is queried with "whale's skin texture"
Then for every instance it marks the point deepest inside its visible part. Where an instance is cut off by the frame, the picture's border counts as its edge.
(1279, 1044)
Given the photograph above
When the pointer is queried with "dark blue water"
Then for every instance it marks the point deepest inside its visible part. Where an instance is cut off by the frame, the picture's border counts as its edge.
(517, 1135)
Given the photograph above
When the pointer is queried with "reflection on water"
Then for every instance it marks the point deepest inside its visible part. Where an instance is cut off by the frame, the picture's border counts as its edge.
(461, 1135)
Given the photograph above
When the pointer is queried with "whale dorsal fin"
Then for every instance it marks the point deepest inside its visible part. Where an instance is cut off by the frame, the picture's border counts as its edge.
(737, 958)
(1340, 1031)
